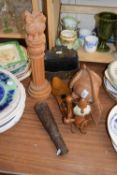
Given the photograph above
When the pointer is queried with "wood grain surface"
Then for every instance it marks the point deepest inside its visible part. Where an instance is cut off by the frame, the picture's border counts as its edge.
(96, 57)
(27, 148)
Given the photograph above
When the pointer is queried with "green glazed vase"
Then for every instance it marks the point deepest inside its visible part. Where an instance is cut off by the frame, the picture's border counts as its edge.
(105, 23)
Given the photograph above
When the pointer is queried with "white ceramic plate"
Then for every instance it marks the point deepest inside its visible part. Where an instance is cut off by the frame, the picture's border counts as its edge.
(112, 124)
(110, 92)
(9, 83)
(25, 75)
(11, 53)
(110, 79)
(13, 121)
(112, 71)
(109, 86)
(17, 108)
(13, 104)
(114, 145)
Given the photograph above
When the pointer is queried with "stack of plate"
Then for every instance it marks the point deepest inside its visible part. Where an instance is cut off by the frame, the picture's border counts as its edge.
(13, 57)
(112, 126)
(12, 100)
(110, 79)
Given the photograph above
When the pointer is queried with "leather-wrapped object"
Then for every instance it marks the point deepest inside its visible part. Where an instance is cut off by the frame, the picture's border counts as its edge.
(61, 62)
(87, 79)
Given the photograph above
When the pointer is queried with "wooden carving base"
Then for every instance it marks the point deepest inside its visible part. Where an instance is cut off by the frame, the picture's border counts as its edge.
(41, 92)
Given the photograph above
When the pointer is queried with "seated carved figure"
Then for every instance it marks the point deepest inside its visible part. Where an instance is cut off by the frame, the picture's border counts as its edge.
(80, 105)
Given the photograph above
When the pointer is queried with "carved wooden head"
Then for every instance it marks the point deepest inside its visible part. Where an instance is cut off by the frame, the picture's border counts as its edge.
(34, 22)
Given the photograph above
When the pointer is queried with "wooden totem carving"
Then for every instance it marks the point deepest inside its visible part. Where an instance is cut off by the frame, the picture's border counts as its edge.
(35, 39)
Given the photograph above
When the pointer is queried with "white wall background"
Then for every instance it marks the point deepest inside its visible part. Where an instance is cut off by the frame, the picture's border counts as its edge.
(111, 3)
(87, 20)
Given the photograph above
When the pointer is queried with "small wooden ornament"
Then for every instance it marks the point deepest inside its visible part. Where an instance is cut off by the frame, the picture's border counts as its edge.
(79, 103)
(35, 39)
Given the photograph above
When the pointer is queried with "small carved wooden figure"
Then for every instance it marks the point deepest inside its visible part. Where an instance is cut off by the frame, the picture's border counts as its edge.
(82, 112)
(81, 103)
(88, 80)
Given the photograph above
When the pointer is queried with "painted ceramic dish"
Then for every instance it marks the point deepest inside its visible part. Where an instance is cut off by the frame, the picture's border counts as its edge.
(24, 75)
(12, 100)
(115, 146)
(112, 125)
(9, 93)
(19, 108)
(15, 108)
(109, 86)
(8, 88)
(13, 121)
(21, 70)
(107, 76)
(11, 53)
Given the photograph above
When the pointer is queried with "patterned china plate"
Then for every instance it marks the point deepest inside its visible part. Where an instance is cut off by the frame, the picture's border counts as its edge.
(8, 88)
(18, 107)
(9, 92)
(14, 67)
(115, 146)
(11, 53)
(110, 79)
(109, 89)
(112, 124)
(16, 118)
(24, 76)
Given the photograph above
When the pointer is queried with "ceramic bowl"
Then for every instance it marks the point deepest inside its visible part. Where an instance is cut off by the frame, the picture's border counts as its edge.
(69, 39)
(68, 36)
(69, 22)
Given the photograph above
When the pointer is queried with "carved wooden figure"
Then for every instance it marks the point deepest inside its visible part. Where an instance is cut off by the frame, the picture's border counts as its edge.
(88, 80)
(79, 111)
(81, 104)
(35, 39)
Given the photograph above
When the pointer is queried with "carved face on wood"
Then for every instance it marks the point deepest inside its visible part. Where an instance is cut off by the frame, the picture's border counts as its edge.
(35, 22)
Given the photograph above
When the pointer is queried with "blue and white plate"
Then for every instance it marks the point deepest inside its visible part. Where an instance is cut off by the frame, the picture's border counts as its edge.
(110, 87)
(112, 91)
(9, 92)
(17, 107)
(12, 100)
(16, 115)
(112, 125)
(16, 118)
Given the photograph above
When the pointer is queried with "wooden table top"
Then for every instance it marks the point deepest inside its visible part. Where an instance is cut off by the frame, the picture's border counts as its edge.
(27, 149)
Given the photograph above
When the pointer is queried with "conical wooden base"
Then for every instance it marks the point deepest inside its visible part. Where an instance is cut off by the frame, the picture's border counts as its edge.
(41, 92)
